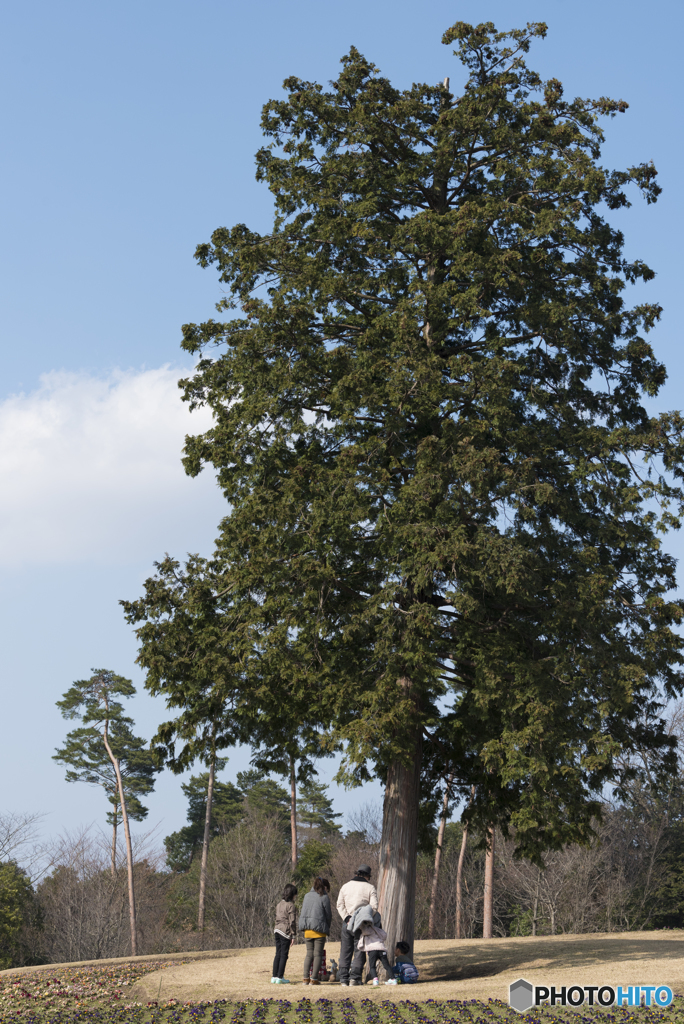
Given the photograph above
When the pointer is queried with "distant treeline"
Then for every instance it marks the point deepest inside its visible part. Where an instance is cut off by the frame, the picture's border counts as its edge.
(630, 877)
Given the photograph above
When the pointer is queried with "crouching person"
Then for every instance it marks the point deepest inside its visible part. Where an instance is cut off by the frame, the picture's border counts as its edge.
(405, 971)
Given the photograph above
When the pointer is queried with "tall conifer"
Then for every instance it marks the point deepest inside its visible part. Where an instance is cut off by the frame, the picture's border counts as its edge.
(445, 489)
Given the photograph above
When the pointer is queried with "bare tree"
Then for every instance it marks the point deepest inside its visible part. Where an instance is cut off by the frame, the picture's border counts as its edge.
(19, 835)
(84, 909)
(366, 820)
(17, 831)
(246, 872)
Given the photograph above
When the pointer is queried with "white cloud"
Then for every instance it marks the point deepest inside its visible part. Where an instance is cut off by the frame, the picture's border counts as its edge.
(90, 469)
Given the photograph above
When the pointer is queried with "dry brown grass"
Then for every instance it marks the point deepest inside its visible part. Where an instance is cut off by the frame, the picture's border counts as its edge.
(470, 969)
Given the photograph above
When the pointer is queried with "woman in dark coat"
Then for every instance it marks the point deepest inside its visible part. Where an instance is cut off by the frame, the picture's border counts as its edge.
(314, 921)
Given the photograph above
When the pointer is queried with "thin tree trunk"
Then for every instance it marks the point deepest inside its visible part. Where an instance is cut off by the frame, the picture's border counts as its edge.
(536, 903)
(459, 874)
(398, 848)
(129, 848)
(293, 812)
(488, 901)
(114, 828)
(438, 857)
(205, 846)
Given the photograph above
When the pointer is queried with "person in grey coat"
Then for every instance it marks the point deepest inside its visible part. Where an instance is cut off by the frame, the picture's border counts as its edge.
(314, 921)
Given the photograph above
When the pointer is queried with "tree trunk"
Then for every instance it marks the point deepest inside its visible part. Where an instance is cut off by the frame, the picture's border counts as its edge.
(438, 857)
(205, 847)
(536, 903)
(488, 902)
(398, 850)
(293, 812)
(459, 884)
(459, 874)
(114, 828)
(129, 848)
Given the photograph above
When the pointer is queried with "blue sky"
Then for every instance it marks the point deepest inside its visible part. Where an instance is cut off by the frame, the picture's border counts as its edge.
(129, 132)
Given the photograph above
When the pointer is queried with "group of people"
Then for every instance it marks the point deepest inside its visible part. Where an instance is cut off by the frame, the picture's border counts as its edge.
(362, 934)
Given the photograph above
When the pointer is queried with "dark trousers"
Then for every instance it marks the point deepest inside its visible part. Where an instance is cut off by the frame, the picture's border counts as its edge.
(314, 952)
(281, 955)
(373, 956)
(359, 960)
(346, 952)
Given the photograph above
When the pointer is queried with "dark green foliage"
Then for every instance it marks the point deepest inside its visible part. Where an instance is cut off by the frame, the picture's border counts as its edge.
(253, 795)
(667, 903)
(17, 908)
(316, 826)
(87, 760)
(314, 859)
(226, 807)
(94, 702)
(315, 813)
(264, 796)
(226, 811)
(194, 664)
(445, 490)
(427, 830)
(180, 847)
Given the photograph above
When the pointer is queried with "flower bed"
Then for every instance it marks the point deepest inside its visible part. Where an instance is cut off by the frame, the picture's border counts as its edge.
(96, 995)
(59, 994)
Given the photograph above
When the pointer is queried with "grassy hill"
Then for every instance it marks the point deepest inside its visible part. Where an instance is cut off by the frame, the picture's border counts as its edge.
(463, 971)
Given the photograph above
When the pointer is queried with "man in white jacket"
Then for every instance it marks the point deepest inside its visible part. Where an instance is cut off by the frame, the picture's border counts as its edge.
(354, 894)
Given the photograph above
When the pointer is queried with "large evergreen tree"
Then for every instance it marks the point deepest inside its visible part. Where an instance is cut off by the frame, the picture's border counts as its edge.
(445, 490)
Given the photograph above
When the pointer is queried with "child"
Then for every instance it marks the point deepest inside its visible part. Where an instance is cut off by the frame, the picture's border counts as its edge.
(405, 970)
(285, 933)
(372, 942)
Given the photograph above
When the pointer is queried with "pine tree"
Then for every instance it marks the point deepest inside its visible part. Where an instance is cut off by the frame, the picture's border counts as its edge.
(445, 490)
(226, 811)
(286, 748)
(87, 760)
(263, 796)
(317, 819)
(94, 702)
